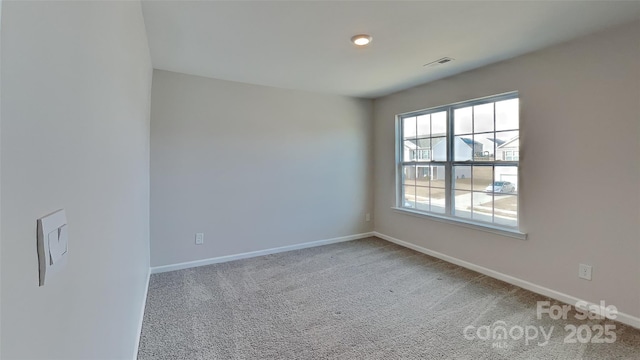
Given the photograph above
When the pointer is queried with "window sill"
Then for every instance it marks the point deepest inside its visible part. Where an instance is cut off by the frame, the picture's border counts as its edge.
(467, 224)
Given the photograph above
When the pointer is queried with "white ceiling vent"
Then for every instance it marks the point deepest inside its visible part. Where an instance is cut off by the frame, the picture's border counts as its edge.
(444, 60)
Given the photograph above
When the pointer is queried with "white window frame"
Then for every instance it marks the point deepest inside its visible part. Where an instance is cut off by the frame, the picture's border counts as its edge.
(448, 216)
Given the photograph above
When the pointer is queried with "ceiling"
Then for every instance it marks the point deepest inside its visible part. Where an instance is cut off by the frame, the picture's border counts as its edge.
(305, 45)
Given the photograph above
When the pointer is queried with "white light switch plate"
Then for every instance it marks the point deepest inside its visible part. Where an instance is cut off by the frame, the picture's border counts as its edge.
(53, 244)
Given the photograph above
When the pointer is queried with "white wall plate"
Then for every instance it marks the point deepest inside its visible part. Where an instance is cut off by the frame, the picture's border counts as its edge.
(53, 239)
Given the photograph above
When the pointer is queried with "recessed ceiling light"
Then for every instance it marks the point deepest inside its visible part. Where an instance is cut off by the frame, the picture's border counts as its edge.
(361, 40)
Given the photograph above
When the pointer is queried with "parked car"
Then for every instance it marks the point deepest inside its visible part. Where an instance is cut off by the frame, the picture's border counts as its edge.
(501, 187)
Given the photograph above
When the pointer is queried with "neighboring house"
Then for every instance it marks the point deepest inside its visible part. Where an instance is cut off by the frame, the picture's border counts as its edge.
(509, 150)
(464, 148)
(413, 152)
(489, 144)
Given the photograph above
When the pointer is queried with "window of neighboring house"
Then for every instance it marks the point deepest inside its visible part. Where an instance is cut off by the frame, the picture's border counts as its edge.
(419, 154)
(461, 161)
(511, 155)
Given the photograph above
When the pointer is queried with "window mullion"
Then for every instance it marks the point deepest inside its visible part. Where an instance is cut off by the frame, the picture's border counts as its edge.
(448, 168)
(400, 162)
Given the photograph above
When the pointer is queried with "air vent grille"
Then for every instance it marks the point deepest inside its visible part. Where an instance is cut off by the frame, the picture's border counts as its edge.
(444, 60)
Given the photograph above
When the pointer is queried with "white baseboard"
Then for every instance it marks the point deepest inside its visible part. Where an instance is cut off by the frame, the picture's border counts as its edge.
(221, 259)
(568, 299)
(144, 305)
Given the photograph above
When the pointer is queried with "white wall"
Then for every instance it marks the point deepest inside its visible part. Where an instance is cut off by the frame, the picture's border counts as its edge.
(76, 80)
(253, 167)
(580, 105)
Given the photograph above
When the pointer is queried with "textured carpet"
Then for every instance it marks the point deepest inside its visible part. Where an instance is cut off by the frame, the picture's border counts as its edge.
(365, 299)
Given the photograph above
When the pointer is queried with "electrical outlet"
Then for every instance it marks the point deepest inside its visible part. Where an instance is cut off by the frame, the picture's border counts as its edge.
(584, 272)
(367, 217)
(199, 238)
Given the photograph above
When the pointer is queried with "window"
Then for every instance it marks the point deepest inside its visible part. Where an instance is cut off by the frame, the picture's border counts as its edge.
(511, 155)
(460, 161)
(421, 154)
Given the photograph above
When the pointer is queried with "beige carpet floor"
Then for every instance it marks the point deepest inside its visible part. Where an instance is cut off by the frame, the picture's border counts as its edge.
(364, 299)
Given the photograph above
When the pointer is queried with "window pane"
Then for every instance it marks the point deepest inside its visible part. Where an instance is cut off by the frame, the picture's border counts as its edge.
(462, 177)
(482, 178)
(409, 150)
(439, 149)
(462, 204)
(408, 189)
(463, 147)
(438, 196)
(507, 115)
(438, 192)
(409, 127)
(506, 210)
(462, 121)
(483, 118)
(424, 125)
(423, 175)
(408, 196)
(482, 206)
(422, 198)
(477, 147)
(409, 175)
(506, 141)
(423, 150)
(439, 123)
(437, 176)
(486, 146)
(505, 179)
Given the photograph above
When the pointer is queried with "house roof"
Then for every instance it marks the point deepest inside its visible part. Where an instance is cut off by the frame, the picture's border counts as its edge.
(470, 142)
(497, 141)
(506, 143)
(410, 144)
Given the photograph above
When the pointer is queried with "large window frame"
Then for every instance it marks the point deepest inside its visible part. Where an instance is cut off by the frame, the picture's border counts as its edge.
(450, 166)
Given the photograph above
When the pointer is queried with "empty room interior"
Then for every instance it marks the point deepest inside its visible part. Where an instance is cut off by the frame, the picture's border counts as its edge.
(319, 179)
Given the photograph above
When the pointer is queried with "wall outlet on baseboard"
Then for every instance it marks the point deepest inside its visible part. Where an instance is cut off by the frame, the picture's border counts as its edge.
(584, 271)
(367, 217)
(199, 238)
